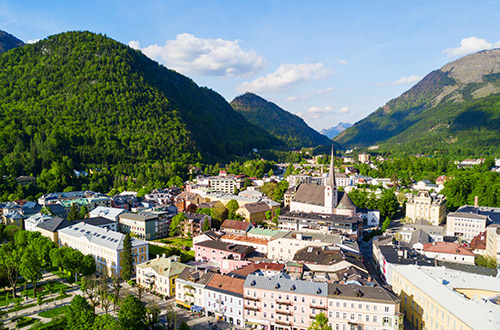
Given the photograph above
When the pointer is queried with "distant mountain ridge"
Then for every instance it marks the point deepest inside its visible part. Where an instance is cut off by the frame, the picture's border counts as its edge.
(8, 41)
(335, 130)
(287, 127)
(454, 109)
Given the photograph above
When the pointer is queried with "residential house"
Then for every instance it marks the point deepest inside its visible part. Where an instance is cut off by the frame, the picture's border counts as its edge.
(159, 274)
(262, 233)
(255, 212)
(235, 227)
(111, 213)
(190, 288)
(185, 199)
(224, 298)
(259, 244)
(32, 222)
(448, 251)
(104, 245)
(226, 256)
(478, 244)
(469, 221)
(195, 222)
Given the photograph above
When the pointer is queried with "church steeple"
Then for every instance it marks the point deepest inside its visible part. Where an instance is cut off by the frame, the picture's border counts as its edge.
(331, 192)
(331, 175)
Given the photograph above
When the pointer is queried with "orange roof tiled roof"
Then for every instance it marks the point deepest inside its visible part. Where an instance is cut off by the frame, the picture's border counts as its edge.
(240, 238)
(447, 247)
(227, 283)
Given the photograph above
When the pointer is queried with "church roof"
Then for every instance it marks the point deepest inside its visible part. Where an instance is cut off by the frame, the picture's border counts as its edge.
(346, 202)
(310, 194)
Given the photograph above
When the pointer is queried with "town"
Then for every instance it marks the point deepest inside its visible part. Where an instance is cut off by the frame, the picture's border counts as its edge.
(201, 255)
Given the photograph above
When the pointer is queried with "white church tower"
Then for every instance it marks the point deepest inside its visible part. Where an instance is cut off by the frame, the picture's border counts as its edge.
(331, 192)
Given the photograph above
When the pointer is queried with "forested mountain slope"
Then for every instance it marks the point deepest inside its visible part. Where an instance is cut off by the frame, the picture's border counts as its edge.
(282, 124)
(97, 101)
(455, 109)
(8, 41)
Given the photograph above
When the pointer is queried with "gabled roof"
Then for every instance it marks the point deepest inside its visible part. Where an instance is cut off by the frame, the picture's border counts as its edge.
(310, 194)
(228, 247)
(165, 266)
(284, 284)
(364, 293)
(256, 207)
(236, 225)
(479, 242)
(98, 221)
(107, 212)
(55, 224)
(447, 247)
(227, 284)
(197, 276)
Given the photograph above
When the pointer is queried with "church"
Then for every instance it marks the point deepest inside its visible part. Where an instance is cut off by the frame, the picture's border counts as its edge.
(312, 198)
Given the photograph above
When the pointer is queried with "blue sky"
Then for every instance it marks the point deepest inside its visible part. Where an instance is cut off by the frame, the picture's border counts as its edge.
(327, 61)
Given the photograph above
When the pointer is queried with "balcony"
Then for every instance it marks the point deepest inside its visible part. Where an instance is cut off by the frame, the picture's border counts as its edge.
(252, 298)
(325, 307)
(282, 322)
(289, 313)
(253, 308)
(281, 302)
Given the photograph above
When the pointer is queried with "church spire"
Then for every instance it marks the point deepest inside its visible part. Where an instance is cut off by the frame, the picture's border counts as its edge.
(331, 176)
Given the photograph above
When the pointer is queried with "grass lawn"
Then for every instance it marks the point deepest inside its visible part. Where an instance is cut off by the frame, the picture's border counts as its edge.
(155, 249)
(4, 302)
(177, 241)
(53, 312)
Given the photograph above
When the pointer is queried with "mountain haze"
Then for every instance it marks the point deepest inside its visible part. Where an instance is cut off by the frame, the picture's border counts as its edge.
(8, 41)
(454, 109)
(289, 128)
(335, 130)
(97, 101)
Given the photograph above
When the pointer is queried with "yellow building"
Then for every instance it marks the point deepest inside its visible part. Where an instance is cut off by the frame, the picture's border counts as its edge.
(50, 228)
(104, 245)
(159, 274)
(255, 212)
(440, 298)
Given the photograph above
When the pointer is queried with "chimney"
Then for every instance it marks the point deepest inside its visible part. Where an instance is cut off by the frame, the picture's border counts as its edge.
(476, 202)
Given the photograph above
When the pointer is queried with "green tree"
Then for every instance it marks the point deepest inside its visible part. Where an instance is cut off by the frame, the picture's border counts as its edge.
(206, 225)
(79, 315)
(320, 323)
(84, 211)
(31, 268)
(132, 314)
(386, 224)
(10, 260)
(73, 213)
(106, 322)
(39, 302)
(87, 266)
(127, 258)
(177, 224)
(268, 215)
(153, 315)
(232, 206)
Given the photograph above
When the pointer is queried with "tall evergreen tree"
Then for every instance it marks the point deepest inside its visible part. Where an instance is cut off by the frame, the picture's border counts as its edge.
(73, 213)
(127, 258)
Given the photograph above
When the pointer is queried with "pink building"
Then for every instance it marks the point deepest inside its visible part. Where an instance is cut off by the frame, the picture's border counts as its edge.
(226, 256)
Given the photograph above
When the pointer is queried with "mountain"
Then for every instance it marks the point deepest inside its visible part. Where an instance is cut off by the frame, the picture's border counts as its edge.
(455, 109)
(289, 128)
(335, 130)
(97, 101)
(8, 41)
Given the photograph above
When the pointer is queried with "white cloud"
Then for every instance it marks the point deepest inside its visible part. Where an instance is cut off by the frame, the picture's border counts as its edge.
(319, 110)
(343, 62)
(209, 57)
(407, 80)
(470, 45)
(326, 91)
(32, 41)
(286, 77)
(292, 98)
(345, 109)
(135, 44)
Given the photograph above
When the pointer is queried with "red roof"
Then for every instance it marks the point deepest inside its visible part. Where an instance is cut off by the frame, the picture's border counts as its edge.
(236, 225)
(227, 283)
(479, 242)
(270, 266)
(447, 247)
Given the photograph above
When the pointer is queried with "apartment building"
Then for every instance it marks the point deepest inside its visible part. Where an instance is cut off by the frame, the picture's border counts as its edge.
(222, 183)
(493, 242)
(142, 225)
(104, 245)
(429, 207)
